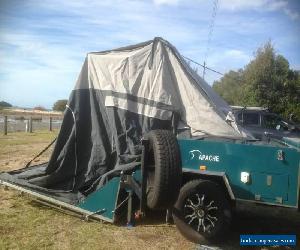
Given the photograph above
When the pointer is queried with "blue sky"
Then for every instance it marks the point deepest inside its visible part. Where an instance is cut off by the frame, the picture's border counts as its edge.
(43, 43)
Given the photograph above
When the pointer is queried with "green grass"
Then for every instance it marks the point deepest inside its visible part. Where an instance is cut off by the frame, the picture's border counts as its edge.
(27, 224)
(23, 138)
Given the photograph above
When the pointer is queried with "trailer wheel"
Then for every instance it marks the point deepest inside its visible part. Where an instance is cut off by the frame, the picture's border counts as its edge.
(163, 169)
(202, 213)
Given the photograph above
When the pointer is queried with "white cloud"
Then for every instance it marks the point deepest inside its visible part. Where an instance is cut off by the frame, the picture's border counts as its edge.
(225, 59)
(235, 54)
(241, 5)
(166, 2)
(259, 5)
(34, 51)
(292, 14)
(236, 5)
(276, 5)
(296, 67)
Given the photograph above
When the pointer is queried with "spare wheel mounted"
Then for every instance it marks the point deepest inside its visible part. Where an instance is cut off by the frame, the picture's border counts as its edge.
(163, 169)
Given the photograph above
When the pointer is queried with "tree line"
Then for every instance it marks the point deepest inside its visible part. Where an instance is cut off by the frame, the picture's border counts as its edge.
(267, 81)
(59, 105)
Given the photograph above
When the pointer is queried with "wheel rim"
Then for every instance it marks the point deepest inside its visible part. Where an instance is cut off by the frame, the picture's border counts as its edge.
(201, 213)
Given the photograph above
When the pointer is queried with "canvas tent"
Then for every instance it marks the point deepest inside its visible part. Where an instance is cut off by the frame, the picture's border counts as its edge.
(120, 95)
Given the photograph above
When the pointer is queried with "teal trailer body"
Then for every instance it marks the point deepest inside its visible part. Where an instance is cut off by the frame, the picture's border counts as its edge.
(259, 173)
(104, 200)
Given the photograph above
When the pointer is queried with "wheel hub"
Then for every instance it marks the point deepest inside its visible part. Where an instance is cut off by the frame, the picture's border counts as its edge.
(200, 212)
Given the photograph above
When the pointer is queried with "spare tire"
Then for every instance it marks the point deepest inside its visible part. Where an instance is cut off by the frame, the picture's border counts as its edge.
(163, 169)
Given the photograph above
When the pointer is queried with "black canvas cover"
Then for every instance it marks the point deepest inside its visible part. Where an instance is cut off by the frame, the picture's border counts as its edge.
(105, 139)
(120, 95)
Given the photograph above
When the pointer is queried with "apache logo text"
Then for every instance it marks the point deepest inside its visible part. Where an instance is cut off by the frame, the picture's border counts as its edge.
(203, 157)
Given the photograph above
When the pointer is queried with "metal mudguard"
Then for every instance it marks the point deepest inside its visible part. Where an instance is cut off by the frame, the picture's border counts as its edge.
(258, 173)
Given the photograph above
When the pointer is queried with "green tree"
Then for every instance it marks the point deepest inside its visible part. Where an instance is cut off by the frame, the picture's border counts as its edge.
(230, 86)
(4, 104)
(265, 76)
(290, 100)
(40, 108)
(266, 81)
(60, 105)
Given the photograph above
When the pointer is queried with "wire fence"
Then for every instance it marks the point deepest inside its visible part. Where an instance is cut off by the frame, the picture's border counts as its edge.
(11, 123)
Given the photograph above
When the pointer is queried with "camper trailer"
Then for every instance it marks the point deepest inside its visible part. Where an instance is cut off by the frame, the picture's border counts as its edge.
(142, 131)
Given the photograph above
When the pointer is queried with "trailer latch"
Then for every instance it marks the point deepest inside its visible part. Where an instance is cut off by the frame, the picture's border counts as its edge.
(280, 155)
(99, 212)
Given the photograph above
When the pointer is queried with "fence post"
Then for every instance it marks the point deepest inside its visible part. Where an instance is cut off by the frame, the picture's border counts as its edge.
(30, 125)
(5, 125)
(27, 126)
(50, 123)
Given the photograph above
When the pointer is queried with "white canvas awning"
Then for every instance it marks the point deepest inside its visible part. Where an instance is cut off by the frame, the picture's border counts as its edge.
(154, 80)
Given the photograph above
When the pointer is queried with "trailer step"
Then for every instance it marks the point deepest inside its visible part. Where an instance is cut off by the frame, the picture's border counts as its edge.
(60, 204)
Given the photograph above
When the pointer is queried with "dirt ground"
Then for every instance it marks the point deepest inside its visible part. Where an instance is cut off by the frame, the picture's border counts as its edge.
(27, 224)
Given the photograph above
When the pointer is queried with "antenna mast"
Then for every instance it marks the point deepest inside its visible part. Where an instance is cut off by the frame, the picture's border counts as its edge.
(211, 29)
